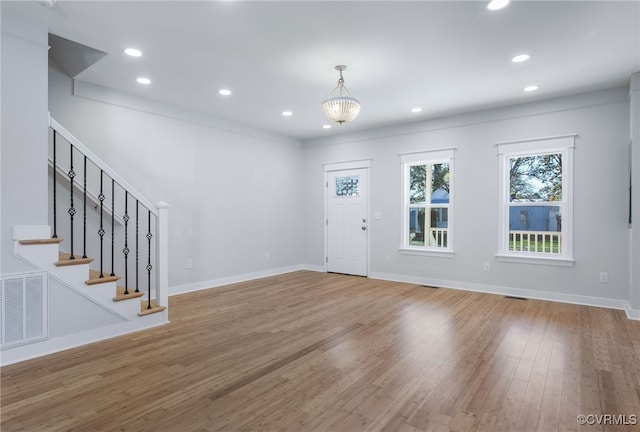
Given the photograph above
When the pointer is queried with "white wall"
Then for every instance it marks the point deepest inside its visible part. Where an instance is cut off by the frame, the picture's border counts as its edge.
(601, 121)
(634, 103)
(235, 195)
(238, 194)
(24, 131)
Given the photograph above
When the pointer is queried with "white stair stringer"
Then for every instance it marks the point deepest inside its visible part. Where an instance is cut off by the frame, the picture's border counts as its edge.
(125, 313)
(104, 294)
(103, 305)
(75, 277)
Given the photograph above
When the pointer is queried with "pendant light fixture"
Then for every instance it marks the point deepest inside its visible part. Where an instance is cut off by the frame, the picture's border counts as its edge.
(342, 107)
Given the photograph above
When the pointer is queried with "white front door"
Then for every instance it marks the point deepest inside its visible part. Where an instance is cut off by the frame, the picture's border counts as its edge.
(347, 221)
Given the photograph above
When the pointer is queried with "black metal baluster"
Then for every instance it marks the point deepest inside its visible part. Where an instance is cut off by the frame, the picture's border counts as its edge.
(137, 249)
(113, 225)
(84, 221)
(149, 267)
(101, 230)
(55, 165)
(125, 251)
(72, 210)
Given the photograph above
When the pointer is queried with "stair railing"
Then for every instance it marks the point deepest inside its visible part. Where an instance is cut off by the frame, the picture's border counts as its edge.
(122, 201)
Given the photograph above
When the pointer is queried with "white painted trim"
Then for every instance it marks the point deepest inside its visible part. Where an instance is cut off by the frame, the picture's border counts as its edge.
(101, 164)
(527, 140)
(564, 144)
(50, 346)
(428, 252)
(426, 157)
(228, 280)
(346, 165)
(340, 166)
(537, 260)
(31, 232)
(516, 292)
(162, 254)
(421, 152)
(632, 314)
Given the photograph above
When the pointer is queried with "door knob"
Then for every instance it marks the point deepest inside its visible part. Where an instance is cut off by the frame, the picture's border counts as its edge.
(364, 228)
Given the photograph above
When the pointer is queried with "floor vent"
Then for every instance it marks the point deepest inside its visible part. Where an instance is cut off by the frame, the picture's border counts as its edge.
(429, 286)
(23, 309)
(515, 298)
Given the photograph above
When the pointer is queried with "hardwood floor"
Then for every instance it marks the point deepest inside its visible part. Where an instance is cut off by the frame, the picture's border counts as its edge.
(311, 351)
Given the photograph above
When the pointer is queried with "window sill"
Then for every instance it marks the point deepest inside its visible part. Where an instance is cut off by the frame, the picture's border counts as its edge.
(427, 252)
(542, 260)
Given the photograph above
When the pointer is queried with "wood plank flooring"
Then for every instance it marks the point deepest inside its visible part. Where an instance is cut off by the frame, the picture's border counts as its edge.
(310, 351)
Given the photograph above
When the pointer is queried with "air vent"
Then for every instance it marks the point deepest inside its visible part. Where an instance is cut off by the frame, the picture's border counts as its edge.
(515, 298)
(23, 309)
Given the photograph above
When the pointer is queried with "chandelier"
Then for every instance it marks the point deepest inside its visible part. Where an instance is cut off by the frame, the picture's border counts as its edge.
(341, 108)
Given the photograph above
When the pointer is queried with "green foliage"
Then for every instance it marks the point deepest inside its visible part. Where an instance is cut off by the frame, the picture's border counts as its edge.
(536, 178)
(418, 180)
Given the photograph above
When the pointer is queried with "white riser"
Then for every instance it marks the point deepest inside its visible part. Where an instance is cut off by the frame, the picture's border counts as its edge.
(74, 275)
(105, 292)
(129, 308)
(41, 255)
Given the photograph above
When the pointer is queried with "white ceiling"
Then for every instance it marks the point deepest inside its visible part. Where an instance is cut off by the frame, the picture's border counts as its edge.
(444, 56)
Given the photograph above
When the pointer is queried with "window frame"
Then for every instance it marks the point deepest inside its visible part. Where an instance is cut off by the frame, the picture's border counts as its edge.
(429, 157)
(563, 145)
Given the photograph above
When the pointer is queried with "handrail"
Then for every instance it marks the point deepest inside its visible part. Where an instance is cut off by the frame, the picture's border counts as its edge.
(154, 236)
(101, 164)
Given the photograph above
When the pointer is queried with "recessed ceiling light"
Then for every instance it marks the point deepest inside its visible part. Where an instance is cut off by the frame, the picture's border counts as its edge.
(521, 58)
(326, 126)
(497, 4)
(416, 110)
(531, 88)
(287, 113)
(224, 92)
(143, 80)
(133, 52)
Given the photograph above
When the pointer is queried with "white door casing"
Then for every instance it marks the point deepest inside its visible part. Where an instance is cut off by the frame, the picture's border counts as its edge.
(347, 220)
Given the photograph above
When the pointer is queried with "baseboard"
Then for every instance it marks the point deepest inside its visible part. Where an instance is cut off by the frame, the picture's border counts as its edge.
(632, 314)
(54, 345)
(515, 292)
(213, 283)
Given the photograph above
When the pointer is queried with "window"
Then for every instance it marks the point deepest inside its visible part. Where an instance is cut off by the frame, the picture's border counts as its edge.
(427, 191)
(347, 186)
(536, 200)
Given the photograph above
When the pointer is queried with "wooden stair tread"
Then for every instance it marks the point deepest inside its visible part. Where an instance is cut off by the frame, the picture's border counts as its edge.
(120, 295)
(94, 278)
(63, 260)
(154, 308)
(41, 241)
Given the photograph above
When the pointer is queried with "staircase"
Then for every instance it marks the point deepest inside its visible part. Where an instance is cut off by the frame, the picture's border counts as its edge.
(105, 251)
(77, 273)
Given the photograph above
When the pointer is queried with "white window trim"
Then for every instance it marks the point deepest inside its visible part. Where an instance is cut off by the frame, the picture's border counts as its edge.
(565, 145)
(446, 155)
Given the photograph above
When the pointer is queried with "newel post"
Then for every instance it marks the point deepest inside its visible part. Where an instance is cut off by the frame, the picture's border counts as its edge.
(162, 289)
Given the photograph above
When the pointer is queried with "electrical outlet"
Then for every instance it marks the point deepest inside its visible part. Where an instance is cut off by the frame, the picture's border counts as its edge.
(486, 267)
(604, 277)
(189, 263)
(387, 258)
